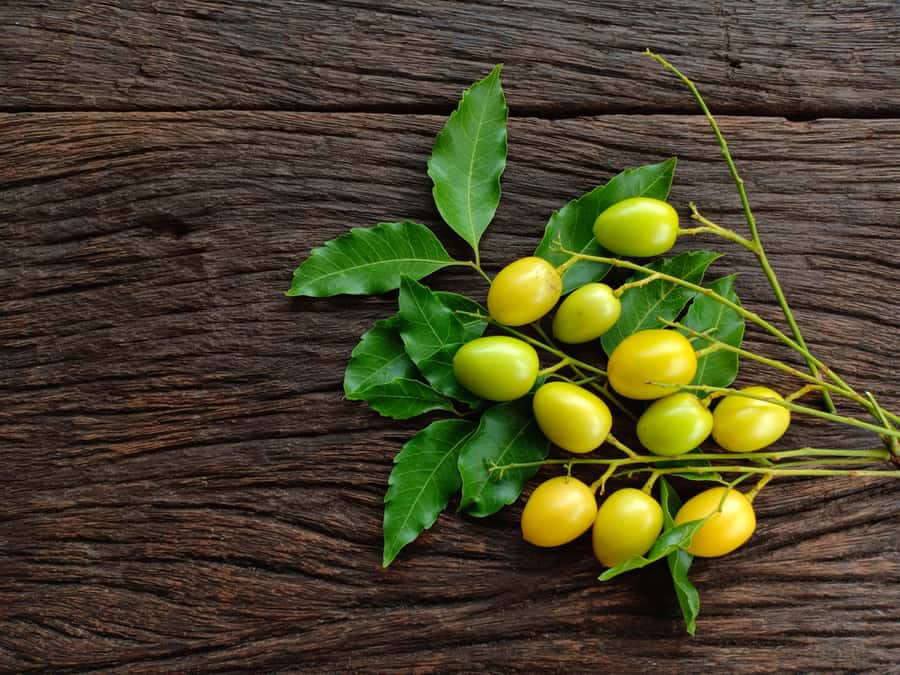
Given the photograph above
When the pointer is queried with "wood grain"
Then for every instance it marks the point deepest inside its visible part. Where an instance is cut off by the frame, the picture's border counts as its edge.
(184, 487)
(766, 57)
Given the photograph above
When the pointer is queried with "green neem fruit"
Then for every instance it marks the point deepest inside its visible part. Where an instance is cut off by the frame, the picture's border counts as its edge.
(639, 227)
(496, 368)
(586, 314)
(674, 425)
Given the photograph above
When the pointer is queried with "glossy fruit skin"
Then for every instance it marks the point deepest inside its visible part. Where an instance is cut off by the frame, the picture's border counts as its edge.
(497, 368)
(627, 524)
(571, 416)
(747, 425)
(586, 314)
(674, 425)
(723, 532)
(523, 291)
(655, 355)
(639, 227)
(558, 511)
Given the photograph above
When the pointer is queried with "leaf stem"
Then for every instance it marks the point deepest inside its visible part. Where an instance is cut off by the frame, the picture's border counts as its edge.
(475, 265)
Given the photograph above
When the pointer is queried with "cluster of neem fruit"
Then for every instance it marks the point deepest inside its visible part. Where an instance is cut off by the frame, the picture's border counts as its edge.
(432, 355)
(647, 365)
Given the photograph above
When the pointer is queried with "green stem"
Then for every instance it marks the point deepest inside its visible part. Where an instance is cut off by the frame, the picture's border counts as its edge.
(635, 284)
(879, 454)
(557, 366)
(771, 471)
(852, 421)
(774, 363)
(475, 265)
(718, 230)
(758, 249)
(759, 486)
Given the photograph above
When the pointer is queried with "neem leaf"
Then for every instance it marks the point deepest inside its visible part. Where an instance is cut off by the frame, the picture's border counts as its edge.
(370, 260)
(423, 480)
(679, 561)
(573, 224)
(468, 158)
(461, 303)
(378, 358)
(706, 315)
(671, 539)
(507, 434)
(431, 336)
(403, 398)
(642, 305)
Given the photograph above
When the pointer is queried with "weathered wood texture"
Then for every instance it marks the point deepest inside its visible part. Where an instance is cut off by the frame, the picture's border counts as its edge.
(183, 486)
(787, 58)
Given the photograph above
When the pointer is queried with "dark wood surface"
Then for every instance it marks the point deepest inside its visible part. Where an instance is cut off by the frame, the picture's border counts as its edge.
(182, 486)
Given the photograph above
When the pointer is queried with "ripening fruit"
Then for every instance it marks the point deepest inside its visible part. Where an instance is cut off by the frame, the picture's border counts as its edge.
(524, 291)
(571, 417)
(724, 531)
(639, 227)
(674, 425)
(655, 355)
(586, 314)
(627, 524)
(558, 511)
(497, 368)
(746, 425)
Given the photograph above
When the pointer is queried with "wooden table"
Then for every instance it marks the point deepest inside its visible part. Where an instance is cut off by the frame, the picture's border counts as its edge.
(182, 486)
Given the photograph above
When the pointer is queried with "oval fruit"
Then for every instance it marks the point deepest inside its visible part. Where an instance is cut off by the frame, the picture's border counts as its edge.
(651, 355)
(586, 314)
(639, 227)
(571, 416)
(724, 531)
(627, 524)
(558, 511)
(743, 424)
(497, 368)
(524, 291)
(674, 425)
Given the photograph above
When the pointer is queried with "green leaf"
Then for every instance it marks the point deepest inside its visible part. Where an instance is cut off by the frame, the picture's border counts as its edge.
(403, 398)
(431, 336)
(507, 434)
(370, 260)
(641, 306)
(468, 158)
(573, 224)
(378, 358)
(706, 315)
(423, 480)
(461, 303)
(679, 561)
(672, 539)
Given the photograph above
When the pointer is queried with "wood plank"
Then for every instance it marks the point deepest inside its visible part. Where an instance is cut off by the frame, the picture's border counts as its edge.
(184, 486)
(563, 58)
